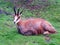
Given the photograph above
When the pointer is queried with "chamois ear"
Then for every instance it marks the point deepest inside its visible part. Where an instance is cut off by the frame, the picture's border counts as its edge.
(18, 11)
(14, 10)
(21, 12)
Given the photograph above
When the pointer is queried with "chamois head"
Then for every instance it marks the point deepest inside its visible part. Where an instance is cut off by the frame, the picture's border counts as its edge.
(17, 15)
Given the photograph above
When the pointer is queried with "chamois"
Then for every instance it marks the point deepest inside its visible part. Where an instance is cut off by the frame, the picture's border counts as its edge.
(32, 26)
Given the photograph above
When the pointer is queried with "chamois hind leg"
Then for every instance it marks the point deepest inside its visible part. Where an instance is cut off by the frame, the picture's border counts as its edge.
(48, 27)
(46, 36)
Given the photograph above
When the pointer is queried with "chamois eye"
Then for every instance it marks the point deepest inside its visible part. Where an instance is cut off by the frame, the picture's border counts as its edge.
(19, 17)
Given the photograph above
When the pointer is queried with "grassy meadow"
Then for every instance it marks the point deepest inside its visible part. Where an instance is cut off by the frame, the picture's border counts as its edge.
(10, 36)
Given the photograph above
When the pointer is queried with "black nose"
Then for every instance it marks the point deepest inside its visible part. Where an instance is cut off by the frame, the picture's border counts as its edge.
(14, 22)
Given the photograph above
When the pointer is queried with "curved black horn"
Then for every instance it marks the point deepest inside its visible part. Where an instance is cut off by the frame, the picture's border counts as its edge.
(14, 10)
(21, 12)
(18, 11)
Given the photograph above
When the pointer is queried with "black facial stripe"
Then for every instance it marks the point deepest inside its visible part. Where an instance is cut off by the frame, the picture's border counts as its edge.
(18, 18)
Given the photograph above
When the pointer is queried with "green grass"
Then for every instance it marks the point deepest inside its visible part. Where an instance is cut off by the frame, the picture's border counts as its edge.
(10, 36)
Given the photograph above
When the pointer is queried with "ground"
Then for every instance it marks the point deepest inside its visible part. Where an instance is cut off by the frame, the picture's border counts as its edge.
(10, 36)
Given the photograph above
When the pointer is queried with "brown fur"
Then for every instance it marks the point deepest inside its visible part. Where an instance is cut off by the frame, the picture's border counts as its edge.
(36, 26)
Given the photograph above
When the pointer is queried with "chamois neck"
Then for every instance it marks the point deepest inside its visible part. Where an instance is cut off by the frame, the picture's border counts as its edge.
(20, 21)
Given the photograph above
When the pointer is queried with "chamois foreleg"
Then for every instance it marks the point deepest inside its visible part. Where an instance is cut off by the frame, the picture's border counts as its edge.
(29, 32)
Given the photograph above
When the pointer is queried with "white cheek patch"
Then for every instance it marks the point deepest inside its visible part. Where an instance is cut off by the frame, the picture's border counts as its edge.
(15, 19)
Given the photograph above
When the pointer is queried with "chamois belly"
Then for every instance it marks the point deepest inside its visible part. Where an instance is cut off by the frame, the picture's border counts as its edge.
(28, 32)
(38, 28)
